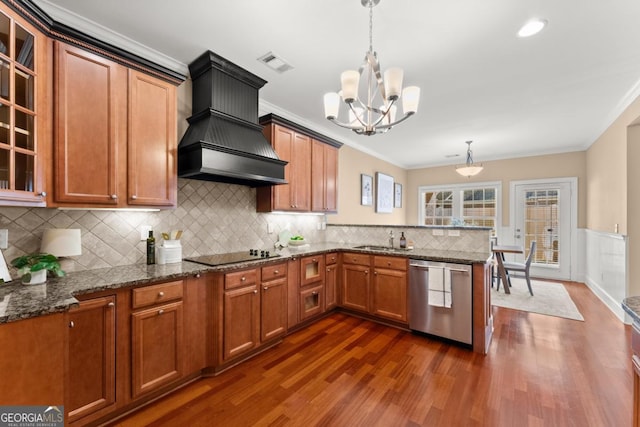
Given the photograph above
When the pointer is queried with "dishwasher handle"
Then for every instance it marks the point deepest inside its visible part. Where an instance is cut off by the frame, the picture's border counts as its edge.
(426, 267)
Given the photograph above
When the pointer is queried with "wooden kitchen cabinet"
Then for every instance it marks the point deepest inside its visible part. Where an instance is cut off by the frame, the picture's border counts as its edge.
(331, 281)
(273, 302)
(311, 171)
(389, 288)
(25, 111)
(355, 285)
(157, 336)
(324, 177)
(312, 282)
(294, 148)
(240, 314)
(91, 362)
(130, 120)
(196, 322)
(32, 357)
(152, 149)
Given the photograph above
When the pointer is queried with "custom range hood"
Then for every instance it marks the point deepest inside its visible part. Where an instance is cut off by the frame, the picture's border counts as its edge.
(224, 141)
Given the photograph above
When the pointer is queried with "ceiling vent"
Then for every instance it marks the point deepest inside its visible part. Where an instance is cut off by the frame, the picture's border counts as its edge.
(275, 62)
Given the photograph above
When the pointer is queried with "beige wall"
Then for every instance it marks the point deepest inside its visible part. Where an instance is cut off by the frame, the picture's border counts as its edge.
(525, 168)
(352, 163)
(607, 181)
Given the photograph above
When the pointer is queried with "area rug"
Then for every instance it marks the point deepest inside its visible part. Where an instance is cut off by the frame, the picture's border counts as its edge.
(550, 298)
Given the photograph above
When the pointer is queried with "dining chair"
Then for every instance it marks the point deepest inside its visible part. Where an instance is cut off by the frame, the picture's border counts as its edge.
(522, 267)
(495, 274)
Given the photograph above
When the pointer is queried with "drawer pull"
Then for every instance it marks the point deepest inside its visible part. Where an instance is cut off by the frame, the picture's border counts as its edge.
(366, 272)
(111, 304)
(314, 293)
(197, 276)
(161, 311)
(160, 294)
(276, 272)
(134, 197)
(43, 194)
(71, 324)
(243, 278)
(114, 196)
(255, 291)
(314, 260)
(328, 269)
(266, 288)
(375, 273)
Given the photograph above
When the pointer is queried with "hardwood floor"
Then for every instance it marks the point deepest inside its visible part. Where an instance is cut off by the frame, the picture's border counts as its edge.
(345, 371)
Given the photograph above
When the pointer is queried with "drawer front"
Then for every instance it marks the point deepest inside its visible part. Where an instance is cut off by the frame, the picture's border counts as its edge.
(272, 272)
(331, 258)
(353, 258)
(394, 263)
(155, 294)
(240, 278)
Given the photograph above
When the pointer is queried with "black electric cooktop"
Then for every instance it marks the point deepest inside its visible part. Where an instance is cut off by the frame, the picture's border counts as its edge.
(232, 257)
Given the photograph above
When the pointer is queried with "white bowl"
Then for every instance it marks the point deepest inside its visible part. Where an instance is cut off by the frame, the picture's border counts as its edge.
(297, 242)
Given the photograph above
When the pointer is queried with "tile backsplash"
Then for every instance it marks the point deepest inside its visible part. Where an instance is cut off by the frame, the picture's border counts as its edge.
(215, 217)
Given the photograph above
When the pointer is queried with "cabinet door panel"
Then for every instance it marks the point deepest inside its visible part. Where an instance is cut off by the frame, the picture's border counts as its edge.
(92, 357)
(274, 309)
(311, 301)
(389, 294)
(331, 290)
(151, 141)
(355, 287)
(157, 347)
(241, 321)
(88, 125)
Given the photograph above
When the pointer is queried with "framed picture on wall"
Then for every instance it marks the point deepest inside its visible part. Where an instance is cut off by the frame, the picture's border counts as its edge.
(397, 196)
(366, 190)
(384, 193)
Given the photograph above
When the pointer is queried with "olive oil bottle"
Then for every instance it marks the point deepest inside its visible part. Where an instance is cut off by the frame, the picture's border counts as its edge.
(151, 248)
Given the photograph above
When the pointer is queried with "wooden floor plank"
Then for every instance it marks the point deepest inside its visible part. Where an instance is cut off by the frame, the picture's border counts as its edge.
(346, 371)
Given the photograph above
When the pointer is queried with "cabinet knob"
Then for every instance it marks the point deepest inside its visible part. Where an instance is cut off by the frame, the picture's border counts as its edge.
(160, 311)
(314, 293)
(197, 275)
(111, 304)
(375, 273)
(366, 272)
(243, 279)
(134, 197)
(43, 194)
(314, 260)
(328, 269)
(255, 291)
(114, 196)
(275, 272)
(160, 294)
(266, 288)
(389, 264)
(71, 324)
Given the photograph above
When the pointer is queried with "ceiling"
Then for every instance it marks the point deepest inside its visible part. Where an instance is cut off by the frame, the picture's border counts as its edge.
(554, 92)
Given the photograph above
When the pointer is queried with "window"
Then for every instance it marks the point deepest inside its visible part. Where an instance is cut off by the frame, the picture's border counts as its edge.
(473, 205)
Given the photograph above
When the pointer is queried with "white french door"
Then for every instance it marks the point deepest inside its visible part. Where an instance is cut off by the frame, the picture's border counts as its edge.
(545, 211)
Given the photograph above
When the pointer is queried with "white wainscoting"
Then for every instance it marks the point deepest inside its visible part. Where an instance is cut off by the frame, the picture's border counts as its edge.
(603, 267)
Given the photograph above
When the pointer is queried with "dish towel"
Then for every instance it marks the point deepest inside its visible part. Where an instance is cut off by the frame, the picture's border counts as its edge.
(439, 287)
(436, 286)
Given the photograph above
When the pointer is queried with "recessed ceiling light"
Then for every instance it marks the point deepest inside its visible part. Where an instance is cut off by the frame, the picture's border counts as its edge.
(532, 27)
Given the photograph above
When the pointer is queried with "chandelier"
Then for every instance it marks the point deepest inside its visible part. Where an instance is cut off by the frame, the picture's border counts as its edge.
(469, 169)
(378, 114)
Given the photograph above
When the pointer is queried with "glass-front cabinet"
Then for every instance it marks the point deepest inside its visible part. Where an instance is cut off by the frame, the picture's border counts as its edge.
(21, 152)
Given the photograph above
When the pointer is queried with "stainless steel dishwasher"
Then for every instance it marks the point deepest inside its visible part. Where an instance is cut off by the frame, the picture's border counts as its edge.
(452, 321)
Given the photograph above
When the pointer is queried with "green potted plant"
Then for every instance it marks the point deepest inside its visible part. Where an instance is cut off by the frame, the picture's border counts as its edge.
(33, 267)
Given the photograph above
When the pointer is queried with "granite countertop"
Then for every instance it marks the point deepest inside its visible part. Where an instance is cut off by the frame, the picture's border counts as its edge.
(18, 301)
(632, 306)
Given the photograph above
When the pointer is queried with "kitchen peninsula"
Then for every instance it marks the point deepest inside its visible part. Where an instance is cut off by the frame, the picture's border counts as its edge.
(190, 303)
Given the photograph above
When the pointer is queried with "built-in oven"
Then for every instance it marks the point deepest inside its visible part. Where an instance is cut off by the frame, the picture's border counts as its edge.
(440, 299)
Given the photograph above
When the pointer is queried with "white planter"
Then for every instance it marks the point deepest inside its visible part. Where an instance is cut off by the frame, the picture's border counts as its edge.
(37, 278)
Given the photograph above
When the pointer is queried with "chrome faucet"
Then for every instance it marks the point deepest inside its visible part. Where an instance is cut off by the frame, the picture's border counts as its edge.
(391, 239)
